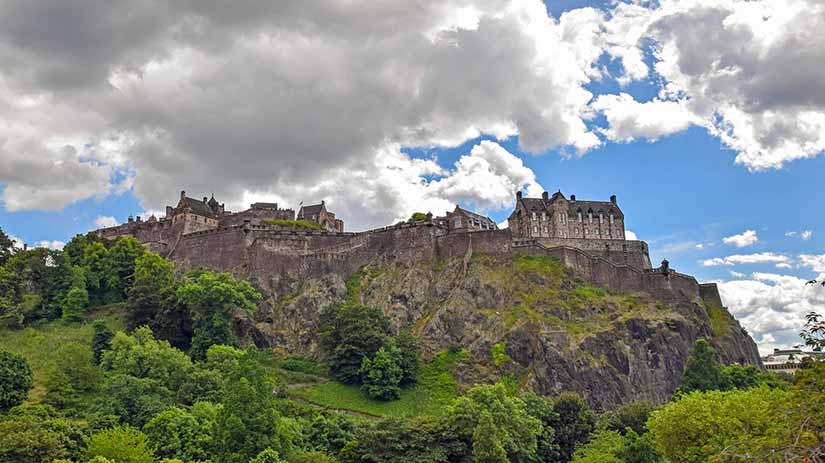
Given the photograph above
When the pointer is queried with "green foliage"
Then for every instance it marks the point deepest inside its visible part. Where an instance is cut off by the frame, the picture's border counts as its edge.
(487, 446)
(419, 440)
(142, 356)
(74, 308)
(604, 447)
(718, 426)
(249, 421)
(15, 379)
(211, 299)
(134, 400)
(302, 224)
(267, 456)
(720, 320)
(573, 424)
(417, 217)
(121, 444)
(500, 357)
(329, 432)
(312, 456)
(179, 433)
(152, 290)
(101, 340)
(702, 370)
(36, 434)
(748, 376)
(632, 416)
(517, 430)
(409, 357)
(71, 375)
(302, 365)
(33, 286)
(349, 334)
(382, 375)
(6, 247)
(542, 409)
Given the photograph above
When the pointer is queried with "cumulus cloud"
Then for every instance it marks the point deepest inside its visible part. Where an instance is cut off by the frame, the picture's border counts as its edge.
(280, 99)
(629, 235)
(814, 262)
(742, 240)
(56, 245)
(104, 221)
(629, 119)
(772, 307)
(736, 259)
(749, 72)
(805, 235)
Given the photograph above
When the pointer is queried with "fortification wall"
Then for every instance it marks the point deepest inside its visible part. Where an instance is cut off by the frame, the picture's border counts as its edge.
(633, 253)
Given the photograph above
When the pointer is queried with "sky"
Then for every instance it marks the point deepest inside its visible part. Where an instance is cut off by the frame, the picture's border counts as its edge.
(705, 117)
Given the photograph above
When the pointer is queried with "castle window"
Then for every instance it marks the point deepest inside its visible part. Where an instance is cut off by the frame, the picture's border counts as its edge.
(611, 218)
(601, 218)
(457, 223)
(535, 229)
(580, 216)
(534, 216)
(590, 217)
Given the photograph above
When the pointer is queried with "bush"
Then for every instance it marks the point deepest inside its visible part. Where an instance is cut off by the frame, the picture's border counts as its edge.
(702, 370)
(121, 444)
(71, 374)
(382, 375)
(177, 433)
(74, 307)
(15, 380)
(101, 340)
(349, 334)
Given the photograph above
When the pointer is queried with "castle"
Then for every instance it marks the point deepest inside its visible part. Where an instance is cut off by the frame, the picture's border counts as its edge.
(588, 236)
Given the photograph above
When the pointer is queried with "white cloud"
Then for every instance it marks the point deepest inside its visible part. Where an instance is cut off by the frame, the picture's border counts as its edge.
(629, 235)
(281, 98)
(629, 119)
(784, 265)
(814, 262)
(737, 274)
(736, 259)
(57, 245)
(104, 221)
(750, 72)
(806, 234)
(742, 240)
(772, 307)
(700, 246)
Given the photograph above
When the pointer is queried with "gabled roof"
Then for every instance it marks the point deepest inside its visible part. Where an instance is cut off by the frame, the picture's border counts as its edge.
(311, 210)
(541, 205)
(473, 215)
(196, 205)
(596, 206)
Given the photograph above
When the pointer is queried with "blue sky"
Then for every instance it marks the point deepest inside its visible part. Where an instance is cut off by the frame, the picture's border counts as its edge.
(437, 103)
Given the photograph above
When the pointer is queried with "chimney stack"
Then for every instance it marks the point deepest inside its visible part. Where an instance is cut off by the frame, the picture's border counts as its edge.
(545, 196)
(182, 194)
(572, 197)
(613, 199)
(518, 195)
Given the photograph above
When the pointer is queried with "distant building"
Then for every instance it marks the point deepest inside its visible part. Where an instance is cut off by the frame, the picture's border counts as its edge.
(463, 220)
(558, 217)
(319, 214)
(788, 360)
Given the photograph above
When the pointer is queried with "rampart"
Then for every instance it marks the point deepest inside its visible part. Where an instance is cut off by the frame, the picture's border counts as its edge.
(259, 252)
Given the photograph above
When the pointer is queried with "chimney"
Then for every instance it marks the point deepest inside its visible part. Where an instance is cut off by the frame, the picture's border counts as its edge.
(545, 196)
(613, 199)
(182, 194)
(25, 247)
(204, 199)
(518, 195)
(572, 197)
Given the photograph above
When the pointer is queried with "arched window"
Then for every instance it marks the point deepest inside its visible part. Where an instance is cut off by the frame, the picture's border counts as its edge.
(611, 218)
(601, 218)
(590, 216)
(579, 212)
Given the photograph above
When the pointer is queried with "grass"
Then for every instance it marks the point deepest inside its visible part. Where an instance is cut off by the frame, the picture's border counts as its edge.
(37, 343)
(435, 390)
(719, 319)
(303, 224)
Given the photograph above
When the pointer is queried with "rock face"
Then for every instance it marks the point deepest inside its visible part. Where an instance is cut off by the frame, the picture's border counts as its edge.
(552, 331)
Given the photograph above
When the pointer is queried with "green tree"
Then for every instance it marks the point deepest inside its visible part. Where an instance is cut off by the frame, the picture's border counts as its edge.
(15, 380)
(36, 434)
(543, 410)
(142, 356)
(417, 440)
(267, 456)
(632, 415)
(212, 299)
(639, 449)
(152, 290)
(574, 423)
(71, 374)
(518, 431)
(604, 447)
(6, 247)
(179, 433)
(119, 267)
(487, 447)
(702, 370)
(382, 375)
(134, 400)
(348, 335)
(101, 340)
(249, 421)
(74, 308)
(410, 357)
(725, 426)
(417, 217)
(121, 444)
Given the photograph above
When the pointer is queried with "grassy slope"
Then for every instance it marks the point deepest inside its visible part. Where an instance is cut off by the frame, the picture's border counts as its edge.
(37, 343)
(435, 390)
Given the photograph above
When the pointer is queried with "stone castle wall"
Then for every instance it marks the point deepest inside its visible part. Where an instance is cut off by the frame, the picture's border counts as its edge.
(261, 251)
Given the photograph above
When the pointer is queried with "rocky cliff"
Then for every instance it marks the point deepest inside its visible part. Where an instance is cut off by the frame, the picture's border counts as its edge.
(524, 319)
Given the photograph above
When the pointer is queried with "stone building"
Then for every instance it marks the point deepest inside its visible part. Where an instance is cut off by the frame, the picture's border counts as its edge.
(463, 220)
(558, 217)
(319, 214)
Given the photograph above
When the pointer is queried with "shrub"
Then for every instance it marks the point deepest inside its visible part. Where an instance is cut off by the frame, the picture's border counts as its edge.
(74, 307)
(382, 375)
(121, 444)
(15, 379)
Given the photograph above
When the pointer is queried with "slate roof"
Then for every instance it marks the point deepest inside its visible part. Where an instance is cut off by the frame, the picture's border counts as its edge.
(474, 215)
(197, 206)
(310, 210)
(540, 205)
